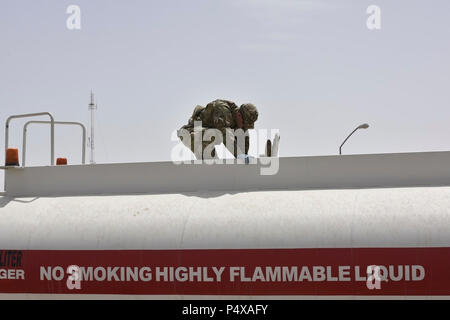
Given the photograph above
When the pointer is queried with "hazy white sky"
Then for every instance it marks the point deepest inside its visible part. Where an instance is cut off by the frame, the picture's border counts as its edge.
(312, 68)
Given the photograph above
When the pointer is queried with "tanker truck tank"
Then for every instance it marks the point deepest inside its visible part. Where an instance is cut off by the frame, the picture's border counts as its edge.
(328, 226)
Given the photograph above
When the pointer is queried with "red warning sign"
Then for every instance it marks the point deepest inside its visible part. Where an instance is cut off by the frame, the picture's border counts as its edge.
(337, 271)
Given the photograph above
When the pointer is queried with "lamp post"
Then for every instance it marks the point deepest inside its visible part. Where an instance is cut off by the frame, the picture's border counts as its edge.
(362, 126)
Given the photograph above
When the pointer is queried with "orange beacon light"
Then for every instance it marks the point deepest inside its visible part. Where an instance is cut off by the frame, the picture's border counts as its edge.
(12, 157)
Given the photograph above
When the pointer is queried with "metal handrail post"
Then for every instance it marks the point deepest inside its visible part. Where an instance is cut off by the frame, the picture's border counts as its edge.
(52, 130)
(83, 128)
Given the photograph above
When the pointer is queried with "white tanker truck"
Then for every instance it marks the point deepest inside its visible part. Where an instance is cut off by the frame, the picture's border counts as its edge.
(351, 226)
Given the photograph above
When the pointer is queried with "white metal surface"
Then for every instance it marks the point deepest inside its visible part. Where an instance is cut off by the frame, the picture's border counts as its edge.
(296, 173)
(400, 217)
(276, 145)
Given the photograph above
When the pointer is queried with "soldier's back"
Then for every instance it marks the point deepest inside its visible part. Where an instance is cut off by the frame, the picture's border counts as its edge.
(219, 114)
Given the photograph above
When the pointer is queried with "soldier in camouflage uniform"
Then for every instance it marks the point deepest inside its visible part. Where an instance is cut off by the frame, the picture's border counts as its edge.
(222, 115)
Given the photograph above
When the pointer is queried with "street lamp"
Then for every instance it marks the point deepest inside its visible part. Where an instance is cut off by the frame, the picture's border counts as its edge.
(362, 126)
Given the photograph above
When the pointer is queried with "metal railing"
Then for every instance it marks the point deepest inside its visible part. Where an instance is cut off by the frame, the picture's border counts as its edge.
(52, 130)
(83, 128)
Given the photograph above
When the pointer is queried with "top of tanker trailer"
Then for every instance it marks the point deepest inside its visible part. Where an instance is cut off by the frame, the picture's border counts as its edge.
(238, 175)
(293, 173)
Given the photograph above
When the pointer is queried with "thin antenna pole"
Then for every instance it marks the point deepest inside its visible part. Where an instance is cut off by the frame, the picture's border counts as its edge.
(91, 108)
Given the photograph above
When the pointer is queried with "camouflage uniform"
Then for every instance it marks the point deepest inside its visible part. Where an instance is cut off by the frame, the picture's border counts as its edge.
(222, 115)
